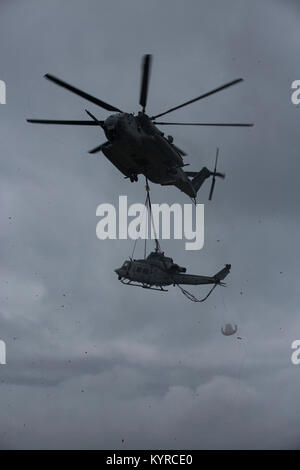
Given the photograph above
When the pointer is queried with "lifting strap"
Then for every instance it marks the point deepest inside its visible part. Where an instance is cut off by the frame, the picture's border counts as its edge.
(148, 206)
(191, 296)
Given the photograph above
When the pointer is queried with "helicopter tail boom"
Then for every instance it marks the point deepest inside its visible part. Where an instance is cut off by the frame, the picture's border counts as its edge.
(199, 178)
(196, 279)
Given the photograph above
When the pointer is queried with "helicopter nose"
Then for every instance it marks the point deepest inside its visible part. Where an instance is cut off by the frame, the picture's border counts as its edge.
(120, 273)
(110, 126)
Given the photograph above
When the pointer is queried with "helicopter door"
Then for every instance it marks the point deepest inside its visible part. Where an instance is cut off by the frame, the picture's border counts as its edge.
(138, 273)
(146, 276)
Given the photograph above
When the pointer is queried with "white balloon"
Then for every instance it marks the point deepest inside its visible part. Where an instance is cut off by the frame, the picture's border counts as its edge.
(229, 329)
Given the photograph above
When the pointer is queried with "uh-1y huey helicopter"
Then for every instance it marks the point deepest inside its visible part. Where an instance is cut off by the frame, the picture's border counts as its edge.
(158, 270)
(136, 146)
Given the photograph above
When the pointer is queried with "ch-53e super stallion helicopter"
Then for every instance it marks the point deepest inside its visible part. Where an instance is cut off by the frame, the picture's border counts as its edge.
(136, 146)
(158, 270)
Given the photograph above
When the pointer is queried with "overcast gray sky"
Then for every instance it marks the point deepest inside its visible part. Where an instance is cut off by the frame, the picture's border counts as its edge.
(91, 362)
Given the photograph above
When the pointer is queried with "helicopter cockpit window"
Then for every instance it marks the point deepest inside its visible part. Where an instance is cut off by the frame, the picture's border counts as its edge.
(126, 264)
(110, 127)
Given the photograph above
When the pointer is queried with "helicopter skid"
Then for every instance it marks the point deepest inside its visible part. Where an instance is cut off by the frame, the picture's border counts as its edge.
(144, 286)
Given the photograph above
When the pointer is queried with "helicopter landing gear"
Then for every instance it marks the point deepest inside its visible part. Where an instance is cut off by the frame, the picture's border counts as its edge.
(133, 177)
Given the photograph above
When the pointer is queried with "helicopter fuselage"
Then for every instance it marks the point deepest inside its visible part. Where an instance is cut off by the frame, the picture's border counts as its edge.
(156, 270)
(136, 146)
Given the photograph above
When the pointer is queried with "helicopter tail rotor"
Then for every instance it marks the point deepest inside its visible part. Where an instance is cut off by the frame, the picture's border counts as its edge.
(215, 174)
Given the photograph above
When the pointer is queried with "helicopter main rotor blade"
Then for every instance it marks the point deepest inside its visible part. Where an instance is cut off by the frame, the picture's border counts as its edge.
(227, 85)
(96, 121)
(146, 66)
(96, 149)
(64, 122)
(237, 124)
(81, 93)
